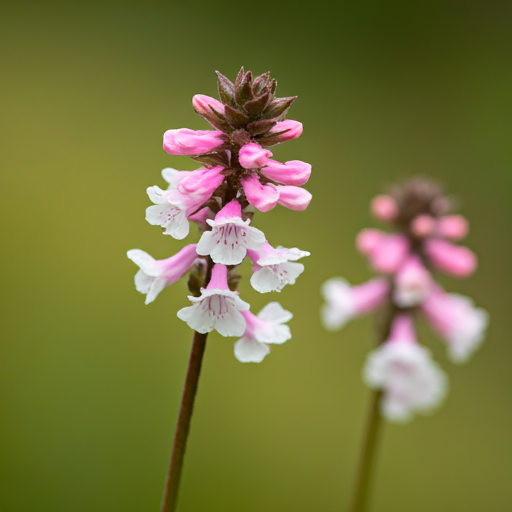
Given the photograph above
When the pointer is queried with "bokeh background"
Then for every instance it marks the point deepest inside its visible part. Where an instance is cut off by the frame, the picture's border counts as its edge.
(91, 378)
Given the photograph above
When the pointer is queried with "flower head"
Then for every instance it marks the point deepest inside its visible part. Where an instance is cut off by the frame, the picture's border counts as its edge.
(423, 231)
(236, 177)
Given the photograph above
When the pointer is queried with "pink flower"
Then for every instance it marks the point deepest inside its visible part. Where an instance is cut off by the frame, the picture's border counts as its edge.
(411, 380)
(174, 207)
(458, 321)
(202, 180)
(273, 268)
(293, 172)
(230, 237)
(412, 283)
(368, 239)
(253, 156)
(423, 225)
(192, 142)
(267, 327)
(202, 104)
(294, 130)
(262, 197)
(343, 302)
(294, 198)
(454, 227)
(155, 275)
(217, 308)
(384, 208)
(452, 259)
(388, 253)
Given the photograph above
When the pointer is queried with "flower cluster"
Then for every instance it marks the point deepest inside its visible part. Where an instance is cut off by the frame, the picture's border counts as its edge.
(237, 177)
(422, 240)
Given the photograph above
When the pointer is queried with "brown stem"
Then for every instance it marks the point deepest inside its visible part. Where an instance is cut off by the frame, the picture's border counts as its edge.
(172, 482)
(373, 428)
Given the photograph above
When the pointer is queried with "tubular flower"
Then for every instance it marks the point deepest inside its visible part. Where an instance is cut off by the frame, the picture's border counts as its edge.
(422, 240)
(411, 380)
(267, 327)
(236, 176)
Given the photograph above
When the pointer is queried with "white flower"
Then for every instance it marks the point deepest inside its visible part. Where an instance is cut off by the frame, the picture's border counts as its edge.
(275, 268)
(265, 328)
(155, 275)
(217, 308)
(170, 211)
(343, 302)
(455, 318)
(173, 177)
(230, 237)
(411, 381)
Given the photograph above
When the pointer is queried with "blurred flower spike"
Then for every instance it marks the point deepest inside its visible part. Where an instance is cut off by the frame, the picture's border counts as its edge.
(238, 176)
(423, 232)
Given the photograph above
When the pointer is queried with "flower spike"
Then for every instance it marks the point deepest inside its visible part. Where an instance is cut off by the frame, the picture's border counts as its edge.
(422, 239)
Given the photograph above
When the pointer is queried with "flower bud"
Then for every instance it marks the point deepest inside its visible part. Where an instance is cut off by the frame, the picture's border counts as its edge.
(293, 172)
(191, 142)
(294, 198)
(423, 225)
(294, 130)
(452, 259)
(384, 208)
(253, 156)
(262, 197)
(202, 104)
(455, 227)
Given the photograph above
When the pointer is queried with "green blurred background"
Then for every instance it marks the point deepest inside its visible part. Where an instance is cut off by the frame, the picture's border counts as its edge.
(91, 378)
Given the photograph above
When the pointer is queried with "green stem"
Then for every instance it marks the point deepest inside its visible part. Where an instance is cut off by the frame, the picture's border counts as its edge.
(368, 454)
(360, 494)
(172, 482)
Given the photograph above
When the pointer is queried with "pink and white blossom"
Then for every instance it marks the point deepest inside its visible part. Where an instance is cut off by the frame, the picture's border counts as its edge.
(453, 259)
(293, 130)
(265, 328)
(273, 268)
(192, 142)
(294, 198)
(230, 237)
(173, 177)
(217, 308)
(172, 209)
(262, 197)
(456, 319)
(384, 208)
(155, 275)
(293, 172)
(412, 283)
(343, 302)
(411, 381)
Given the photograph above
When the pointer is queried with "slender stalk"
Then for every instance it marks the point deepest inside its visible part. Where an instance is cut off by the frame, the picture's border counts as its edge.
(368, 454)
(360, 493)
(179, 445)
